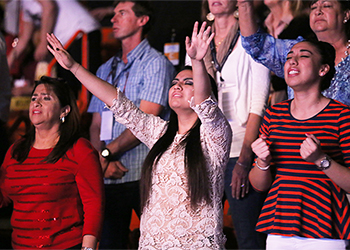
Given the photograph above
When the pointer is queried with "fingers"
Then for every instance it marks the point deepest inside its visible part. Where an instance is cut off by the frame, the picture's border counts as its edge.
(195, 30)
(187, 43)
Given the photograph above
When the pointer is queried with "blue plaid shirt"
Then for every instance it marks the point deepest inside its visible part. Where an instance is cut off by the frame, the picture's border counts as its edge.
(146, 76)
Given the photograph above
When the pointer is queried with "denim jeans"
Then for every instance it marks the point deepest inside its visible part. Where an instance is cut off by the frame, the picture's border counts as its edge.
(245, 213)
(121, 199)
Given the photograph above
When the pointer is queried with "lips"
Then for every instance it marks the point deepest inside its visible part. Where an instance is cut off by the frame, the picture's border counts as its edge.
(176, 94)
(293, 72)
(35, 111)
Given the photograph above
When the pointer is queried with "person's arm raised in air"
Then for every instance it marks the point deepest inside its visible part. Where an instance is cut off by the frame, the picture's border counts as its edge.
(101, 89)
(247, 20)
(196, 48)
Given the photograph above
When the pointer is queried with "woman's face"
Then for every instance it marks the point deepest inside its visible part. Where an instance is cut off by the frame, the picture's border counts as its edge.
(327, 15)
(181, 90)
(303, 67)
(45, 108)
(219, 7)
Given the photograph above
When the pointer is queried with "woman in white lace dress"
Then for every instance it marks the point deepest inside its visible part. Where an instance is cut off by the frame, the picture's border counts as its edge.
(183, 176)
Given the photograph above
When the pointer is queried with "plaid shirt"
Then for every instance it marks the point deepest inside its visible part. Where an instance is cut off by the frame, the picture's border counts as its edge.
(146, 76)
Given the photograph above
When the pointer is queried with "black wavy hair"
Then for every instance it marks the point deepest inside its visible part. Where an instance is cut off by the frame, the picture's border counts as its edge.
(69, 131)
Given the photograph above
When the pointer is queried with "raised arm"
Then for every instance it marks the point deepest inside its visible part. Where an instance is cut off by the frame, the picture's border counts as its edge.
(101, 89)
(247, 20)
(196, 48)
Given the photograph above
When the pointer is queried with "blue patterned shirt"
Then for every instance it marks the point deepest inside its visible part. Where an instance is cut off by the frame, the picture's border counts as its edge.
(272, 53)
(146, 76)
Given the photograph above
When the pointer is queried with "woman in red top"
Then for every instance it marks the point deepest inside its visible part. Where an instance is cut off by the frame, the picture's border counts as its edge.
(53, 177)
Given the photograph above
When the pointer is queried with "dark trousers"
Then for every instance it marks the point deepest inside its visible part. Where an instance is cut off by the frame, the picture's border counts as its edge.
(245, 213)
(121, 199)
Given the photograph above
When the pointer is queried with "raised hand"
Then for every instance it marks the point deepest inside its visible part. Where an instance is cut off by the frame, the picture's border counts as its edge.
(197, 46)
(58, 51)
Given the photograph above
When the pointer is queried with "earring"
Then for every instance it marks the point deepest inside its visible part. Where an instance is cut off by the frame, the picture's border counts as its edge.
(63, 119)
(210, 17)
(345, 20)
(236, 14)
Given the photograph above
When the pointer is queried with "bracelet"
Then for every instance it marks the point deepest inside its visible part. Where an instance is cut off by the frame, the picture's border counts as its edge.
(241, 164)
(87, 248)
(261, 168)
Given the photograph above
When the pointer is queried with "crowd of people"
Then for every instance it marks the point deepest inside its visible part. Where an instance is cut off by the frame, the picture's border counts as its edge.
(174, 146)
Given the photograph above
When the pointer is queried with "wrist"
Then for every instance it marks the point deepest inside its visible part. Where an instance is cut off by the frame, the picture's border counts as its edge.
(324, 163)
(87, 248)
(75, 68)
(263, 168)
(242, 164)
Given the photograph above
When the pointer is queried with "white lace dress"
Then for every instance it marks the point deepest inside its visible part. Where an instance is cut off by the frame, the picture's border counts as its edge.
(168, 222)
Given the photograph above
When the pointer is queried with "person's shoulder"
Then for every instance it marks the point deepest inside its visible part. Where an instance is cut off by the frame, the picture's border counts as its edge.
(83, 145)
(152, 53)
(335, 104)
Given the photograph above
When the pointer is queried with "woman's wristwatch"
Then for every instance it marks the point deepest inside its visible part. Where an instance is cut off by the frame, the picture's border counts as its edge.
(325, 163)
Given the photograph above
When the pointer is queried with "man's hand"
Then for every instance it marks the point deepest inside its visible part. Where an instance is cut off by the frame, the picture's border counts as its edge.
(115, 170)
(240, 181)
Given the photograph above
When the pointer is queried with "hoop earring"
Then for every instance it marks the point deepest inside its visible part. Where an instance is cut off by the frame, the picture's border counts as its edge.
(210, 17)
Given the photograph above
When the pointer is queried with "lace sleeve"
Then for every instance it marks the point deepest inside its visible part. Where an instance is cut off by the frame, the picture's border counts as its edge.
(216, 133)
(147, 128)
(268, 50)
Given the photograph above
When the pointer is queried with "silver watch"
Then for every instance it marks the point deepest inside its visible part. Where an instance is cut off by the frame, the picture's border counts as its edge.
(325, 163)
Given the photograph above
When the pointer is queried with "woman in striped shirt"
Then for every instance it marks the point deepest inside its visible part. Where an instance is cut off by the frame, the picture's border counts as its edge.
(306, 140)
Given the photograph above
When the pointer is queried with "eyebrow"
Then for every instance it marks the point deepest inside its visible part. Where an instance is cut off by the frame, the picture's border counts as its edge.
(188, 78)
(302, 50)
(41, 94)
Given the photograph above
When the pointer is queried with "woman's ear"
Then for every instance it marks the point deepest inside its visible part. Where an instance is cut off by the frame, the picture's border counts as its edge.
(324, 69)
(65, 111)
(347, 16)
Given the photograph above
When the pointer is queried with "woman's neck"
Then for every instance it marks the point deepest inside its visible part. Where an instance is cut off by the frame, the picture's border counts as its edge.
(314, 101)
(338, 41)
(223, 24)
(186, 122)
(45, 139)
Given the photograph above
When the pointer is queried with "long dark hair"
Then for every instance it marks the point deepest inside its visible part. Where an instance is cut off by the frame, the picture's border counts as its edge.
(69, 131)
(195, 164)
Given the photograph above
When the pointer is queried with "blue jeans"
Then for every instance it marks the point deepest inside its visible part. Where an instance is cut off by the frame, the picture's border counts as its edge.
(245, 213)
(121, 199)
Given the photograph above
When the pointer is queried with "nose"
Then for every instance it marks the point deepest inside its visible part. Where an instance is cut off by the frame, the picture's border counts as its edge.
(318, 10)
(114, 18)
(293, 61)
(177, 86)
(37, 102)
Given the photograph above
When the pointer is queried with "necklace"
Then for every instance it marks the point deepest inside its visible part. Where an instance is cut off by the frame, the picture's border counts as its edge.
(346, 52)
(218, 44)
